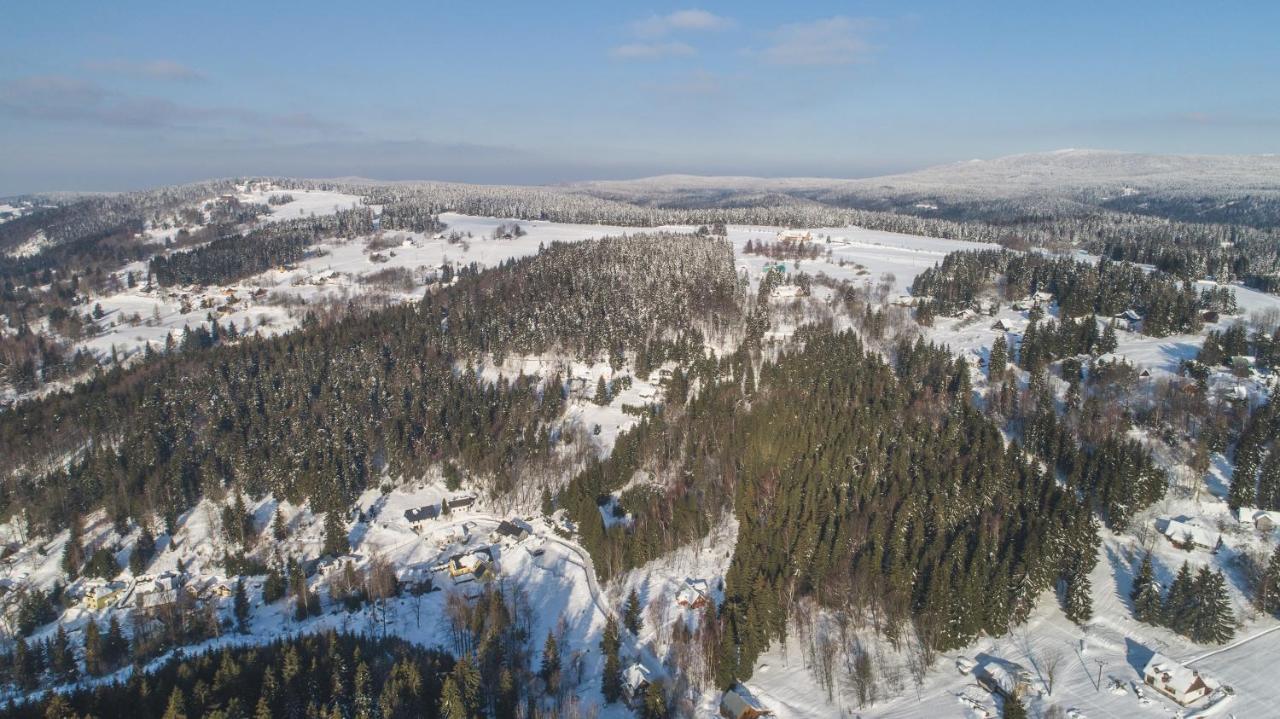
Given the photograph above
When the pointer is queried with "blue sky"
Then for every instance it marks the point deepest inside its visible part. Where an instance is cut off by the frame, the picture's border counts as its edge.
(124, 95)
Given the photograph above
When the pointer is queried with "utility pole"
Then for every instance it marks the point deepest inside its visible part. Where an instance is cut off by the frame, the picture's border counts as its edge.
(1099, 684)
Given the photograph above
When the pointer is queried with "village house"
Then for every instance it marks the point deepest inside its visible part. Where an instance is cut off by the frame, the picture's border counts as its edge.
(1260, 519)
(1129, 320)
(1189, 536)
(785, 292)
(694, 594)
(635, 682)
(794, 236)
(419, 516)
(1181, 684)
(738, 703)
(461, 501)
(511, 531)
(1007, 680)
(1002, 325)
(101, 596)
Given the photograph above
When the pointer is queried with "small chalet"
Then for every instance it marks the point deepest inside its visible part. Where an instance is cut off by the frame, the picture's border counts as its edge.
(101, 596)
(1190, 536)
(1181, 684)
(694, 594)
(461, 501)
(1129, 320)
(419, 516)
(738, 703)
(1007, 680)
(1260, 519)
(635, 682)
(1002, 325)
(794, 236)
(512, 531)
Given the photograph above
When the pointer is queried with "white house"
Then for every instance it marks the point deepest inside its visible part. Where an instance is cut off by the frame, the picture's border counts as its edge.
(1261, 519)
(738, 703)
(785, 292)
(418, 517)
(1181, 684)
(1185, 534)
(694, 594)
(794, 236)
(1004, 679)
(1129, 320)
(511, 532)
(635, 681)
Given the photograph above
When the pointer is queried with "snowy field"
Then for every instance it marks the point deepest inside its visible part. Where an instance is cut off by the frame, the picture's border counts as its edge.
(559, 582)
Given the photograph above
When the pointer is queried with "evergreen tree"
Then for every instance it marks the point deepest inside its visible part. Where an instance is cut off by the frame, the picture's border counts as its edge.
(115, 647)
(550, 669)
(1079, 599)
(263, 710)
(1179, 602)
(240, 607)
(1014, 708)
(93, 658)
(143, 550)
(1214, 621)
(177, 708)
(1109, 341)
(73, 552)
(279, 530)
(999, 360)
(631, 613)
(1267, 595)
(451, 704)
(611, 680)
(602, 392)
(335, 534)
(1147, 602)
(655, 702)
(1241, 492)
(62, 660)
(1268, 496)
(547, 507)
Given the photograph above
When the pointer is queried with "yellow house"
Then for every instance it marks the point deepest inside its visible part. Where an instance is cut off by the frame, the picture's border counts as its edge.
(101, 596)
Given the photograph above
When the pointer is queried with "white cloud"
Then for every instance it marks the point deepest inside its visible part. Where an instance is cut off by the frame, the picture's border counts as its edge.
(680, 20)
(154, 69)
(831, 41)
(651, 51)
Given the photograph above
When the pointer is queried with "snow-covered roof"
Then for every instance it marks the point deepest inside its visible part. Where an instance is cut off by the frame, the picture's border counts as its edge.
(1171, 673)
(739, 701)
(636, 676)
(1251, 515)
(1179, 531)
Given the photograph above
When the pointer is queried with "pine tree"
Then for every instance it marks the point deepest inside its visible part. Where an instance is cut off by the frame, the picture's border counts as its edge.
(547, 507)
(655, 702)
(115, 647)
(263, 710)
(1109, 342)
(550, 669)
(1267, 596)
(240, 607)
(177, 708)
(279, 530)
(1079, 599)
(602, 392)
(93, 659)
(451, 704)
(999, 360)
(143, 550)
(1178, 603)
(335, 534)
(1214, 620)
(611, 680)
(631, 613)
(1147, 604)
(1241, 493)
(73, 552)
(1014, 708)
(1268, 496)
(62, 661)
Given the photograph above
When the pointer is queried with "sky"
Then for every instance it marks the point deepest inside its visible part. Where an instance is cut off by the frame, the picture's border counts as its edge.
(132, 94)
